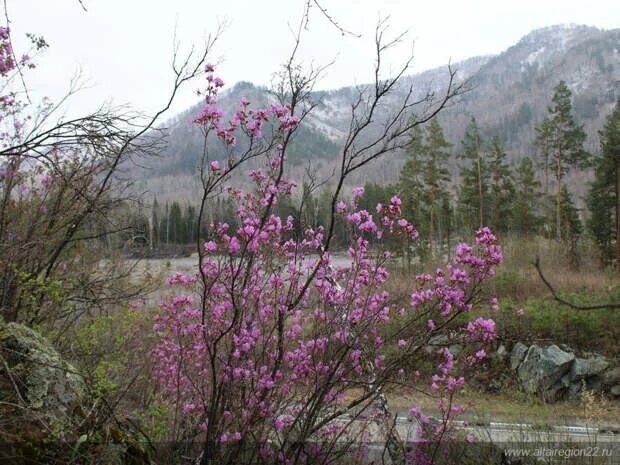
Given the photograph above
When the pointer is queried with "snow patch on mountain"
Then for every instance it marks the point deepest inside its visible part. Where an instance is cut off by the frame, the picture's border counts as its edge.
(535, 56)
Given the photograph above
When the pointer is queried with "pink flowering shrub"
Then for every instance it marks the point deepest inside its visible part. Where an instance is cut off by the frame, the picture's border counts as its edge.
(270, 353)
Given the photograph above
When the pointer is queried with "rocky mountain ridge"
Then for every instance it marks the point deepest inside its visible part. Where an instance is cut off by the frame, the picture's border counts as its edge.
(509, 94)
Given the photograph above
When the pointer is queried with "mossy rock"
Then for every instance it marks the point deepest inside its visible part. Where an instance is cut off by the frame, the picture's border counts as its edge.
(44, 396)
(34, 375)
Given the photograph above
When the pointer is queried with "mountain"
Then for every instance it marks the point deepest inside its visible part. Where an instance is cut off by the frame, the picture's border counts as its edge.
(509, 96)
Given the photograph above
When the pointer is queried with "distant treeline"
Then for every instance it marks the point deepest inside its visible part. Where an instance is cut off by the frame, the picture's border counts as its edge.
(530, 198)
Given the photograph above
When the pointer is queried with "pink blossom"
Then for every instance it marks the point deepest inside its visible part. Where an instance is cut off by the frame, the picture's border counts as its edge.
(210, 246)
(358, 191)
(234, 246)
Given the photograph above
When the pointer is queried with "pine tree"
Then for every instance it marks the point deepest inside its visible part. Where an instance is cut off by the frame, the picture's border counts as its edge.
(473, 195)
(375, 194)
(543, 143)
(526, 201)
(409, 186)
(500, 187)
(175, 220)
(571, 225)
(569, 215)
(435, 174)
(189, 221)
(603, 198)
(446, 220)
(564, 140)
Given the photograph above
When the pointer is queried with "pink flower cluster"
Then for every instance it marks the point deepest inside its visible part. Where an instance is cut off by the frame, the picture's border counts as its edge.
(250, 121)
(268, 336)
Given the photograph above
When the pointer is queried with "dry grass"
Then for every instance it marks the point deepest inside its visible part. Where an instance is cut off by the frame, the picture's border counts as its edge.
(518, 269)
(517, 407)
(517, 278)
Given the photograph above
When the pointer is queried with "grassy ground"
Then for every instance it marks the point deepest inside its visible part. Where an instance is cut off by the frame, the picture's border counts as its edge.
(517, 285)
(513, 406)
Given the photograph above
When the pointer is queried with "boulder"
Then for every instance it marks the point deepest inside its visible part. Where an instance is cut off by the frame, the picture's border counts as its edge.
(612, 377)
(33, 373)
(615, 391)
(43, 396)
(544, 370)
(517, 355)
(584, 368)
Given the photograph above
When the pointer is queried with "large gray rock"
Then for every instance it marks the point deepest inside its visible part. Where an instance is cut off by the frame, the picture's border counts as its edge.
(584, 368)
(612, 377)
(43, 396)
(517, 355)
(544, 370)
(34, 375)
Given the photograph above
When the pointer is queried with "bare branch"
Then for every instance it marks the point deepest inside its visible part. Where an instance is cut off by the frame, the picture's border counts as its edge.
(327, 16)
(608, 305)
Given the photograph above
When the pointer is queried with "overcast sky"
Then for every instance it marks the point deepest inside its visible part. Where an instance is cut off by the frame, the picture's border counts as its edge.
(124, 47)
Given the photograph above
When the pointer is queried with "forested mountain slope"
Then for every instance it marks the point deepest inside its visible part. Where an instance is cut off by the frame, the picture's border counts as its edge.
(509, 94)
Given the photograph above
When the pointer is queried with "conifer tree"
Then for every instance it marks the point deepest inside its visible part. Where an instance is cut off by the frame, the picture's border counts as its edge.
(374, 194)
(409, 186)
(473, 195)
(446, 220)
(569, 214)
(435, 175)
(190, 224)
(501, 188)
(526, 201)
(175, 221)
(543, 144)
(603, 198)
(571, 225)
(564, 140)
